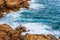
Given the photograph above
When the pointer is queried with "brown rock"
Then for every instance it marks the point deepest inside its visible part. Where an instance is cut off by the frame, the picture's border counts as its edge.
(35, 37)
(21, 29)
(1, 3)
(12, 5)
(39, 37)
(51, 37)
(7, 33)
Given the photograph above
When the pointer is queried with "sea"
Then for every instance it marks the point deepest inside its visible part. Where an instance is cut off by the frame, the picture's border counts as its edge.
(42, 17)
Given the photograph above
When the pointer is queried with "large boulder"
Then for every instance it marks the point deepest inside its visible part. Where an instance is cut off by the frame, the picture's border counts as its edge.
(12, 5)
(39, 37)
(7, 33)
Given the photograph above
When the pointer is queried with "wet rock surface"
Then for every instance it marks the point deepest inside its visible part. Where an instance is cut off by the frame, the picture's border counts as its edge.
(12, 5)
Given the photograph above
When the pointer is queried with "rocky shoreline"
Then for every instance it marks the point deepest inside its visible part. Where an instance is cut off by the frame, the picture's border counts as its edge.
(12, 5)
(8, 33)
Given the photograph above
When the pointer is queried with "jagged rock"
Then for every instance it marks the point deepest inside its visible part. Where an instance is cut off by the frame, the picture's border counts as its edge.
(21, 29)
(7, 33)
(39, 37)
(51, 37)
(12, 5)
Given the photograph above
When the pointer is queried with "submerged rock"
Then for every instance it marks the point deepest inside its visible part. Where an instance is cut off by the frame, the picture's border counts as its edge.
(12, 5)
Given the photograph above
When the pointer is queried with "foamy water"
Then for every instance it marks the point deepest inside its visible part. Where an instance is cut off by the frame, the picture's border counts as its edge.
(34, 20)
(39, 28)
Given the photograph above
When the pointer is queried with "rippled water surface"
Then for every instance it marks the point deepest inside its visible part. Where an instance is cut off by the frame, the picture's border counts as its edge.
(46, 12)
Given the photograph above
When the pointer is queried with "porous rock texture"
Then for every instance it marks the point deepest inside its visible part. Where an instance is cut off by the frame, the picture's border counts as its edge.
(39, 37)
(7, 33)
(12, 5)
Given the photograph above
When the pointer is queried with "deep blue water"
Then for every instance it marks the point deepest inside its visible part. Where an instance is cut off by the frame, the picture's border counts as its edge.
(41, 11)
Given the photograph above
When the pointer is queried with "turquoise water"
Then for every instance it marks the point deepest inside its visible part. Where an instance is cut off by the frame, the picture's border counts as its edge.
(41, 11)
(49, 15)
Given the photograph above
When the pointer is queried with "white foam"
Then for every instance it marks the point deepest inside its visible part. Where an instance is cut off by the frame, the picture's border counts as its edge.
(34, 5)
(37, 6)
(36, 28)
(32, 1)
(39, 28)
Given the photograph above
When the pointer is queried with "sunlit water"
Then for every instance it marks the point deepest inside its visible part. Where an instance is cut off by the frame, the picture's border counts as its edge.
(41, 13)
